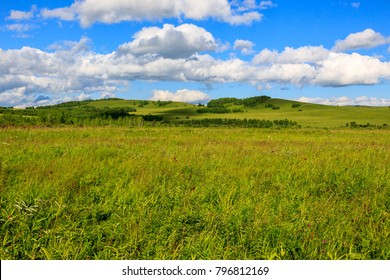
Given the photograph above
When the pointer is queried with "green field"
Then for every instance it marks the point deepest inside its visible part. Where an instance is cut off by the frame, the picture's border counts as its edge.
(96, 112)
(110, 192)
(307, 115)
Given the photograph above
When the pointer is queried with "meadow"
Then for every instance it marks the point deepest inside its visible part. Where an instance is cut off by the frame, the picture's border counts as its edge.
(194, 193)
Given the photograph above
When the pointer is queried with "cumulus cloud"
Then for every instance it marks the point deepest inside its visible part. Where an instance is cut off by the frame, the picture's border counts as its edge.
(89, 12)
(182, 95)
(21, 15)
(290, 55)
(28, 72)
(303, 54)
(65, 14)
(361, 40)
(73, 69)
(245, 46)
(266, 56)
(341, 69)
(22, 26)
(319, 66)
(171, 42)
(344, 101)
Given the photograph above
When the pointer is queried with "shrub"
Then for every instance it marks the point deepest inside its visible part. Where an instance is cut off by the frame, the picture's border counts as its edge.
(296, 105)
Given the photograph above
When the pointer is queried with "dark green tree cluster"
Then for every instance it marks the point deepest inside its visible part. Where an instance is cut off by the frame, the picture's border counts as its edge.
(219, 106)
(296, 105)
(163, 103)
(235, 123)
(367, 125)
(152, 118)
(272, 106)
(248, 102)
(143, 103)
(65, 113)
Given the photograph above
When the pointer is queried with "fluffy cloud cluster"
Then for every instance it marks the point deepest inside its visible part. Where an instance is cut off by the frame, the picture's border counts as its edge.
(20, 15)
(183, 95)
(362, 40)
(319, 66)
(89, 12)
(245, 46)
(164, 41)
(290, 55)
(22, 25)
(71, 68)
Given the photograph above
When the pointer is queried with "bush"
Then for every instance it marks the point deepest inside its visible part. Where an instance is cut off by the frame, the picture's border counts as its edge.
(255, 123)
(367, 125)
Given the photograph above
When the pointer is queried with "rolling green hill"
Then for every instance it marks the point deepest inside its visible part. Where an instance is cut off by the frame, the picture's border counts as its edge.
(306, 114)
(260, 108)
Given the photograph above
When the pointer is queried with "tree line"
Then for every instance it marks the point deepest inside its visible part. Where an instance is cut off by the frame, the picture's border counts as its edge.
(255, 123)
(248, 102)
(219, 106)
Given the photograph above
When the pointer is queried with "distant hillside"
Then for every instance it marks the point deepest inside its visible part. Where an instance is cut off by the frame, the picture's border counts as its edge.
(255, 108)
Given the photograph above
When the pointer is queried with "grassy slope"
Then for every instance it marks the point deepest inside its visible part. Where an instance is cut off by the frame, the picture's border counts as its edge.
(311, 115)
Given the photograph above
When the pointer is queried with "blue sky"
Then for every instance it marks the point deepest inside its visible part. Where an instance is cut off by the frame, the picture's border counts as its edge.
(329, 52)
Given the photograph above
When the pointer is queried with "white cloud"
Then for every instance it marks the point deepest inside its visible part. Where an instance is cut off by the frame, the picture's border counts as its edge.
(319, 66)
(345, 101)
(104, 95)
(298, 74)
(249, 4)
(341, 69)
(266, 56)
(266, 5)
(19, 27)
(20, 15)
(14, 97)
(245, 46)
(89, 12)
(290, 55)
(29, 72)
(46, 100)
(182, 95)
(355, 5)
(303, 54)
(361, 40)
(244, 5)
(72, 68)
(263, 87)
(66, 14)
(171, 42)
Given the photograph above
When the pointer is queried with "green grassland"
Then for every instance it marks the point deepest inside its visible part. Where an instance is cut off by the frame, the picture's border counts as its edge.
(99, 180)
(194, 193)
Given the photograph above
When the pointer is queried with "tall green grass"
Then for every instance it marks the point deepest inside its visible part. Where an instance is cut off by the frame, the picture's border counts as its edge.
(186, 193)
